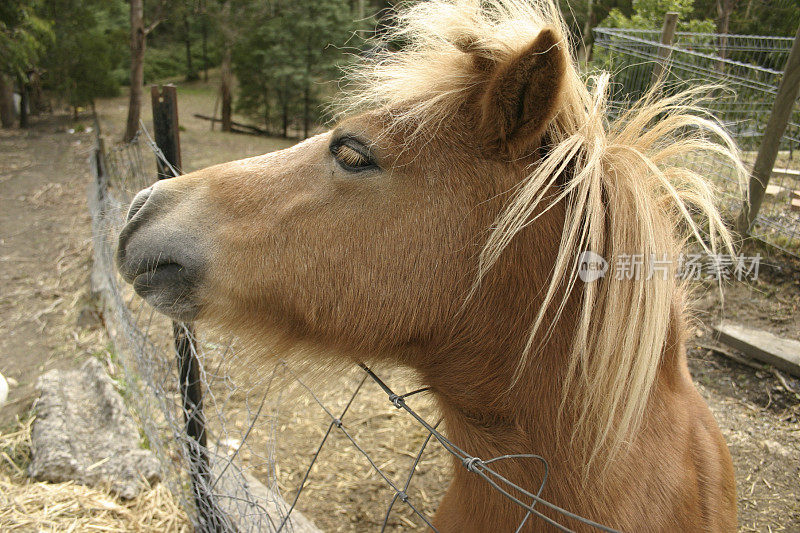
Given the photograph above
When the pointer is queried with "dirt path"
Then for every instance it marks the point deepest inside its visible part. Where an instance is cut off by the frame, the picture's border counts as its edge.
(45, 233)
(44, 253)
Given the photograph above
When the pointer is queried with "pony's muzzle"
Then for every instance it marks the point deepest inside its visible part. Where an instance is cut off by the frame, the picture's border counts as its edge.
(161, 251)
(137, 203)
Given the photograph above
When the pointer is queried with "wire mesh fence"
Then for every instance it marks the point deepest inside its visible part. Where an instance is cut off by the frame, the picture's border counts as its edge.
(232, 474)
(143, 340)
(747, 69)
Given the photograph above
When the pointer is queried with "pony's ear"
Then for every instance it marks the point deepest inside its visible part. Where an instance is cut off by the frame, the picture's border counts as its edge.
(522, 93)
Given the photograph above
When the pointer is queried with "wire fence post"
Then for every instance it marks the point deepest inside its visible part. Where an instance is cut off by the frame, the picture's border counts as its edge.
(667, 38)
(167, 138)
(771, 141)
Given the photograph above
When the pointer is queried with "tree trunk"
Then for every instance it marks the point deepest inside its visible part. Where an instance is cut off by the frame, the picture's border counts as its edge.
(23, 102)
(138, 42)
(37, 103)
(226, 82)
(225, 89)
(7, 112)
(187, 39)
(204, 31)
(724, 10)
(285, 111)
(306, 109)
(586, 39)
(267, 112)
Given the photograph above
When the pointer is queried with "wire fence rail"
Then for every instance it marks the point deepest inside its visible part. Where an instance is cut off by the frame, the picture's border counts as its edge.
(747, 69)
(218, 449)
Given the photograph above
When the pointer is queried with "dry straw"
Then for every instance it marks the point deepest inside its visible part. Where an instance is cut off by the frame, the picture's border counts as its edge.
(27, 505)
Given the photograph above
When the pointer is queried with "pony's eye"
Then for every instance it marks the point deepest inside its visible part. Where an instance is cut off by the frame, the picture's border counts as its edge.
(352, 155)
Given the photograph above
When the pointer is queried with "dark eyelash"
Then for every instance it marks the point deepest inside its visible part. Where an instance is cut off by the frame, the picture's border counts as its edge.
(356, 146)
(350, 157)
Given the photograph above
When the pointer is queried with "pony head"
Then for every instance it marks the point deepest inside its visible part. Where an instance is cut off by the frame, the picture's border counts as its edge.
(440, 221)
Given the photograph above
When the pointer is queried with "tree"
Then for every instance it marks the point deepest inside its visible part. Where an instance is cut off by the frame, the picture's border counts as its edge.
(138, 44)
(285, 55)
(86, 49)
(649, 14)
(23, 39)
(204, 29)
(226, 75)
(752, 17)
(186, 11)
(760, 17)
(724, 10)
(582, 17)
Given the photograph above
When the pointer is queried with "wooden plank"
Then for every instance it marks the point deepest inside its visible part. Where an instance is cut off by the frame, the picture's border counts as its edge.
(786, 173)
(783, 354)
(775, 190)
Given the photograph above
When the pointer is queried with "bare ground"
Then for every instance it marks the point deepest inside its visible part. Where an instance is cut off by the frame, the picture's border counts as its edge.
(46, 321)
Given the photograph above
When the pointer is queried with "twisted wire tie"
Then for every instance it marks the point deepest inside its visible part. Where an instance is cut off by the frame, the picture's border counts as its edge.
(396, 400)
(470, 463)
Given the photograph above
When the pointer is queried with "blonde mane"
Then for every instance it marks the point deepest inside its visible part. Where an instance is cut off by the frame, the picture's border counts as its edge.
(627, 192)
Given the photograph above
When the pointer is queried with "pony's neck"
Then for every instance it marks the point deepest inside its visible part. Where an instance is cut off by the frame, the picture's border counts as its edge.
(488, 413)
(490, 410)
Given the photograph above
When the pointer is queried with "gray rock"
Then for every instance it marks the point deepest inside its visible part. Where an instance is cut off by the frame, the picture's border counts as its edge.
(776, 448)
(251, 507)
(84, 432)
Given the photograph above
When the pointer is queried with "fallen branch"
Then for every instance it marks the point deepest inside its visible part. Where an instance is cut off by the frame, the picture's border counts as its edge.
(248, 129)
(783, 381)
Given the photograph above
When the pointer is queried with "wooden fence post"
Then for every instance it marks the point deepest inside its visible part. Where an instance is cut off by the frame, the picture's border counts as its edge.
(667, 38)
(167, 138)
(770, 143)
(165, 123)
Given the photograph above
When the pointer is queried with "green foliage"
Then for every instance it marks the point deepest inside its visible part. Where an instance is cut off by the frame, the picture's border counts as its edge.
(89, 45)
(576, 13)
(168, 60)
(756, 17)
(649, 15)
(779, 17)
(285, 53)
(24, 36)
(184, 21)
(283, 50)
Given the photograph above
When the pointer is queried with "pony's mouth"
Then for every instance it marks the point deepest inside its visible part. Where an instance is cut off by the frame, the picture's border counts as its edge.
(168, 287)
(164, 263)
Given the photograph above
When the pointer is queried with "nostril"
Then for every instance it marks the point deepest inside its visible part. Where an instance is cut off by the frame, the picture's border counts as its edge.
(137, 203)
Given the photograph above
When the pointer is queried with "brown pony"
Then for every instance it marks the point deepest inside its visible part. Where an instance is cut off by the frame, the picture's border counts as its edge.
(438, 226)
